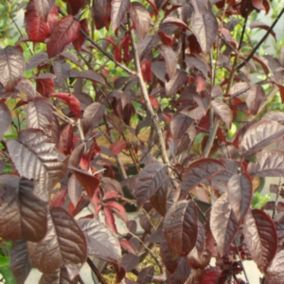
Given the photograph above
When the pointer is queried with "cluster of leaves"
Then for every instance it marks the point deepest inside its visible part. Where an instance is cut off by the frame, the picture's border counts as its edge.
(153, 104)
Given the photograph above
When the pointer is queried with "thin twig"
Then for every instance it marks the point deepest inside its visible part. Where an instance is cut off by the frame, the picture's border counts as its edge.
(96, 271)
(106, 54)
(260, 42)
(153, 115)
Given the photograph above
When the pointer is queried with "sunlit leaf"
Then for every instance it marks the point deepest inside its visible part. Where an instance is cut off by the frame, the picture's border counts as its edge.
(223, 224)
(260, 237)
(239, 195)
(101, 242)
(268, 164)
(11, 66)
(260, 135)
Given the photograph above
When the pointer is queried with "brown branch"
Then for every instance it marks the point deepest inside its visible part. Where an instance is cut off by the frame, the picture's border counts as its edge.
(154, 117)
(146, 97)
(96, 271)
(249, 57)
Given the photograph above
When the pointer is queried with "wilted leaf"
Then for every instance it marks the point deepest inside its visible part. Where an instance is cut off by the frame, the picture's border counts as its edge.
(101, 242)
(36, 158)
(40, 116)
(204, 25)
(65, 31)
(140, 18)
(260, 237)
(5, 119)
(64, 243)
(20, 263)
(22, 214)
(180, 227)
(199, 172)
(239, 195)
(101, 13)
(119, 9)
(268, 164)
(275, 272)
(12, 66)
(223, 224)
(260, 135)
(149, 180)
(224, 111)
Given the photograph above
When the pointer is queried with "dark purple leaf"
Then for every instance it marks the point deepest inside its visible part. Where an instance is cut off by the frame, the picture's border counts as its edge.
(204, 25)
(199, 172)
(12, 66)
(239, 195)
(149, 180)
(170, 58)
(65, 32)
(260, 237)
(20, 263)
(74, 6)
(179, 125)
(223, 224)
(146, 275)
(35, 157)
(22, 214)
(101, 242)
(254, 98)
(102, 13)
(268, 164)
(141, 19)
(92, 116)
(260, 135)
(64, 244)
(180, 227)
(5, 120)
(119, 9)
(176, 82)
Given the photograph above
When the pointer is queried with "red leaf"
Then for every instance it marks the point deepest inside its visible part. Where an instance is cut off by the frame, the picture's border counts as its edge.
(166, 39)
(117, 147)
(109, 219)
(117, 209)
(45, 85)
(71, 101)
(210, 276)
(66, 31)
(261, 5)
(65, 143)
(36, 19)
(81, 38)
(146, 68)
(125, 244)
